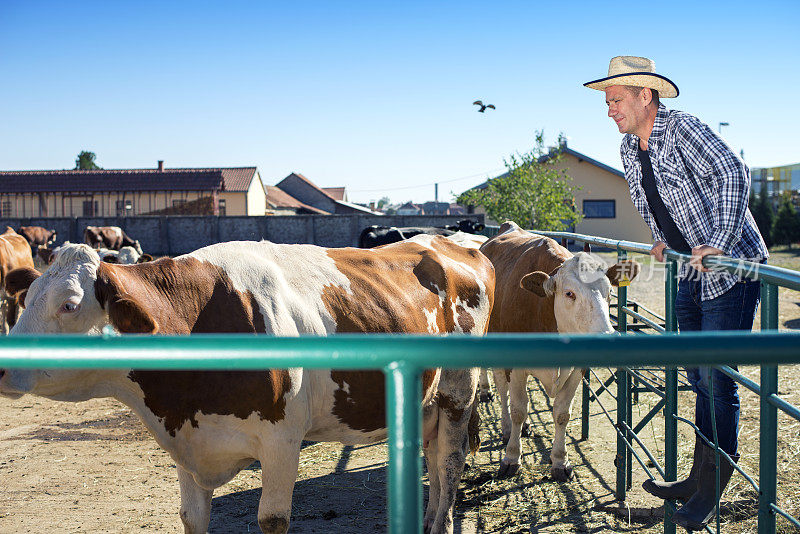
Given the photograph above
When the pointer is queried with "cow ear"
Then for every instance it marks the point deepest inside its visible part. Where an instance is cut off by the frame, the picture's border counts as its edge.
(538, 283)
(623, 271)
(144, 258)
(125, 313)
(18, 281)
(129, 317)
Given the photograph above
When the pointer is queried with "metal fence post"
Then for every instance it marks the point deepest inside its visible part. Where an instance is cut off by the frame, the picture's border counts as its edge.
(585, 405)
(768, 456)
(622, 449)
(403, 401)
(670, 391)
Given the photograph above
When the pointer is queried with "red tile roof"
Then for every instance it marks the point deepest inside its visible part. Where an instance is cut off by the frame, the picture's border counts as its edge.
(337, 193)
(233, 179)
(278, 198)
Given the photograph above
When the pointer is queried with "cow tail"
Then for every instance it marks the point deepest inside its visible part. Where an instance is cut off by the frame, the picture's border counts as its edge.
(474, 426)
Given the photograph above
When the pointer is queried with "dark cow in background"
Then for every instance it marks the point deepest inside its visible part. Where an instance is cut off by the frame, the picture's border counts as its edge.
(110, 237)
(375, 236)
(37, 236)
(468, 226)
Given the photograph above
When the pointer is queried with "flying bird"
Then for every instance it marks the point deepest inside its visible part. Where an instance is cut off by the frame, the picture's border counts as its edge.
(483, 106)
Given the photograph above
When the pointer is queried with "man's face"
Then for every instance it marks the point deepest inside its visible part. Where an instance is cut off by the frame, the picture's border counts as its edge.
(626, 108)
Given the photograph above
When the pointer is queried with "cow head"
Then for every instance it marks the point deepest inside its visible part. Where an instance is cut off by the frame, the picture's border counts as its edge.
(581, 291)
(76, 295)
(92, 237)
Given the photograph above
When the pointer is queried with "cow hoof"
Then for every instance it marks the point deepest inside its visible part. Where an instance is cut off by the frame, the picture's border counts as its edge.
(486, 396)
(507, 469)
(526, 430)
(561, 474)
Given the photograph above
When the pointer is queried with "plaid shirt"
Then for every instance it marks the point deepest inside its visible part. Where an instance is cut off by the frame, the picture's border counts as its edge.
(705, 188)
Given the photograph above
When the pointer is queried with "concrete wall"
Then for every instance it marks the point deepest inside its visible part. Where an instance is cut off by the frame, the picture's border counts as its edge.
(172, 235)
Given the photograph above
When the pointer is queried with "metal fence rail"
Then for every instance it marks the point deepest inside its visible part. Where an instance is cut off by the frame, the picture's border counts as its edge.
(402, 358)
(771, 278)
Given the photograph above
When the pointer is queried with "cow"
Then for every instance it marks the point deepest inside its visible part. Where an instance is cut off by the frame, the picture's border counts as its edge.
(542, 287)
(214, 424)
(110, 237)
(37, 236)
(467, 226)
(375, 236)
(15, 253)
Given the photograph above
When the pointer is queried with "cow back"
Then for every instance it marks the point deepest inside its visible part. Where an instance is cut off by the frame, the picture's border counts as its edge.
(515, 253)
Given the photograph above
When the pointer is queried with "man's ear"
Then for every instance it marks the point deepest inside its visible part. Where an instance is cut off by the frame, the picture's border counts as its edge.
(125, 312)
(18, 281)
(623, 271)
(539, 283)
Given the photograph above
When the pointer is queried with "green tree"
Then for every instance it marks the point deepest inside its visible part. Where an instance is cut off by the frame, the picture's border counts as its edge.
(383, 202)
(533, 192)
(786, 227)
(86, 162)
(761, 208)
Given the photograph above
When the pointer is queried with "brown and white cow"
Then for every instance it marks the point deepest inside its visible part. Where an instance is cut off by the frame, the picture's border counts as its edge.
(37, 236)
(542, 287)
(15, 253)
(110, 237)
(214, 424)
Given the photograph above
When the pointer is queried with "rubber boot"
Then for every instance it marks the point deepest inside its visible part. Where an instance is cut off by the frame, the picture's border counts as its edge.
(702, 507)
(680, 490)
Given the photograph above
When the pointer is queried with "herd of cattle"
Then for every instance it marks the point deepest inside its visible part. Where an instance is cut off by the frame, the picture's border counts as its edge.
(214, 424)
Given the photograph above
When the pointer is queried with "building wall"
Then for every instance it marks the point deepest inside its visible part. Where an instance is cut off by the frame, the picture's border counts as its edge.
(599, 184)
(71, 205)
(256, 197)
(173, 235)
(235, 203)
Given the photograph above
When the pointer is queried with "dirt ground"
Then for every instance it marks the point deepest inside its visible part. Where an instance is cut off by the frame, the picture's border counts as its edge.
(91, 467)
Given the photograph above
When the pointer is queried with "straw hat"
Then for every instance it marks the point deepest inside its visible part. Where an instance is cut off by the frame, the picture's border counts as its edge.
(638, 72)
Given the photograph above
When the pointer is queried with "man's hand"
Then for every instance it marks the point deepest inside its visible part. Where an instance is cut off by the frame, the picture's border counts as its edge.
(658, 250)
(697, 256)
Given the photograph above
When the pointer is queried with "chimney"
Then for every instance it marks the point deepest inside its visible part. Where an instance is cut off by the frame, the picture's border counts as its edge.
(161, 165)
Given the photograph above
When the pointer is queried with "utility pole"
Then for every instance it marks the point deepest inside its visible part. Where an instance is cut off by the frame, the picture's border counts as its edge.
(436, 197)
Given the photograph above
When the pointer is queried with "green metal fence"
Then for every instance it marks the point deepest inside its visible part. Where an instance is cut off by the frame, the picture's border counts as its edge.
(771, 278)
(402, 358)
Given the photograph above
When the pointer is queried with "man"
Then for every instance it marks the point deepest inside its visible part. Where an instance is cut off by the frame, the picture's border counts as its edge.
(692, 191)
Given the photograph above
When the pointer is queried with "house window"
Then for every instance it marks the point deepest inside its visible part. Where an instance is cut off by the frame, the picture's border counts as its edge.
(124, 207)
(90, 208)
(600, 209)
(5, 209)
(221, 206)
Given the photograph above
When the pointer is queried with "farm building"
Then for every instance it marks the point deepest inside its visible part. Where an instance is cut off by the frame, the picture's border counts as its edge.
(603, 198)
(129, 192)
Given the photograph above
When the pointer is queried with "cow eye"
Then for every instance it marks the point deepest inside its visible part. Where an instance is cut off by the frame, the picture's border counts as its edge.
(69, 307)
(570, 295)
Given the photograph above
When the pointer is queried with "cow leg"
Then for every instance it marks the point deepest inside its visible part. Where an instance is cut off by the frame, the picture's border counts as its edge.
(432, 465)
(501, 384)
(561, 469)
(11, 314)
(518, 408)
(457, 388)
(279, 463)
(486, 393)
(195, 504)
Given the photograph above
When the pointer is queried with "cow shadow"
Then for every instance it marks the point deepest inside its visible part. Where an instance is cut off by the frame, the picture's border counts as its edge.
(342, 501)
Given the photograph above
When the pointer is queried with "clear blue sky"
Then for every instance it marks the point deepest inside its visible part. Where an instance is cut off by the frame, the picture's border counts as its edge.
(376, 96)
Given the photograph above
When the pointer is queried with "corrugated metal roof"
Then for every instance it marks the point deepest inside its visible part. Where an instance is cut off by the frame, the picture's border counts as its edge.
(232, 179)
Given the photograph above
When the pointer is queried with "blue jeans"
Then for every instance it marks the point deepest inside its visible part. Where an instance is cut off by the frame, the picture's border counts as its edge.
(733, 310)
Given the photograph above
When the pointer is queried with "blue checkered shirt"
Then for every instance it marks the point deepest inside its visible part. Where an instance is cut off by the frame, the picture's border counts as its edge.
(705, 188)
